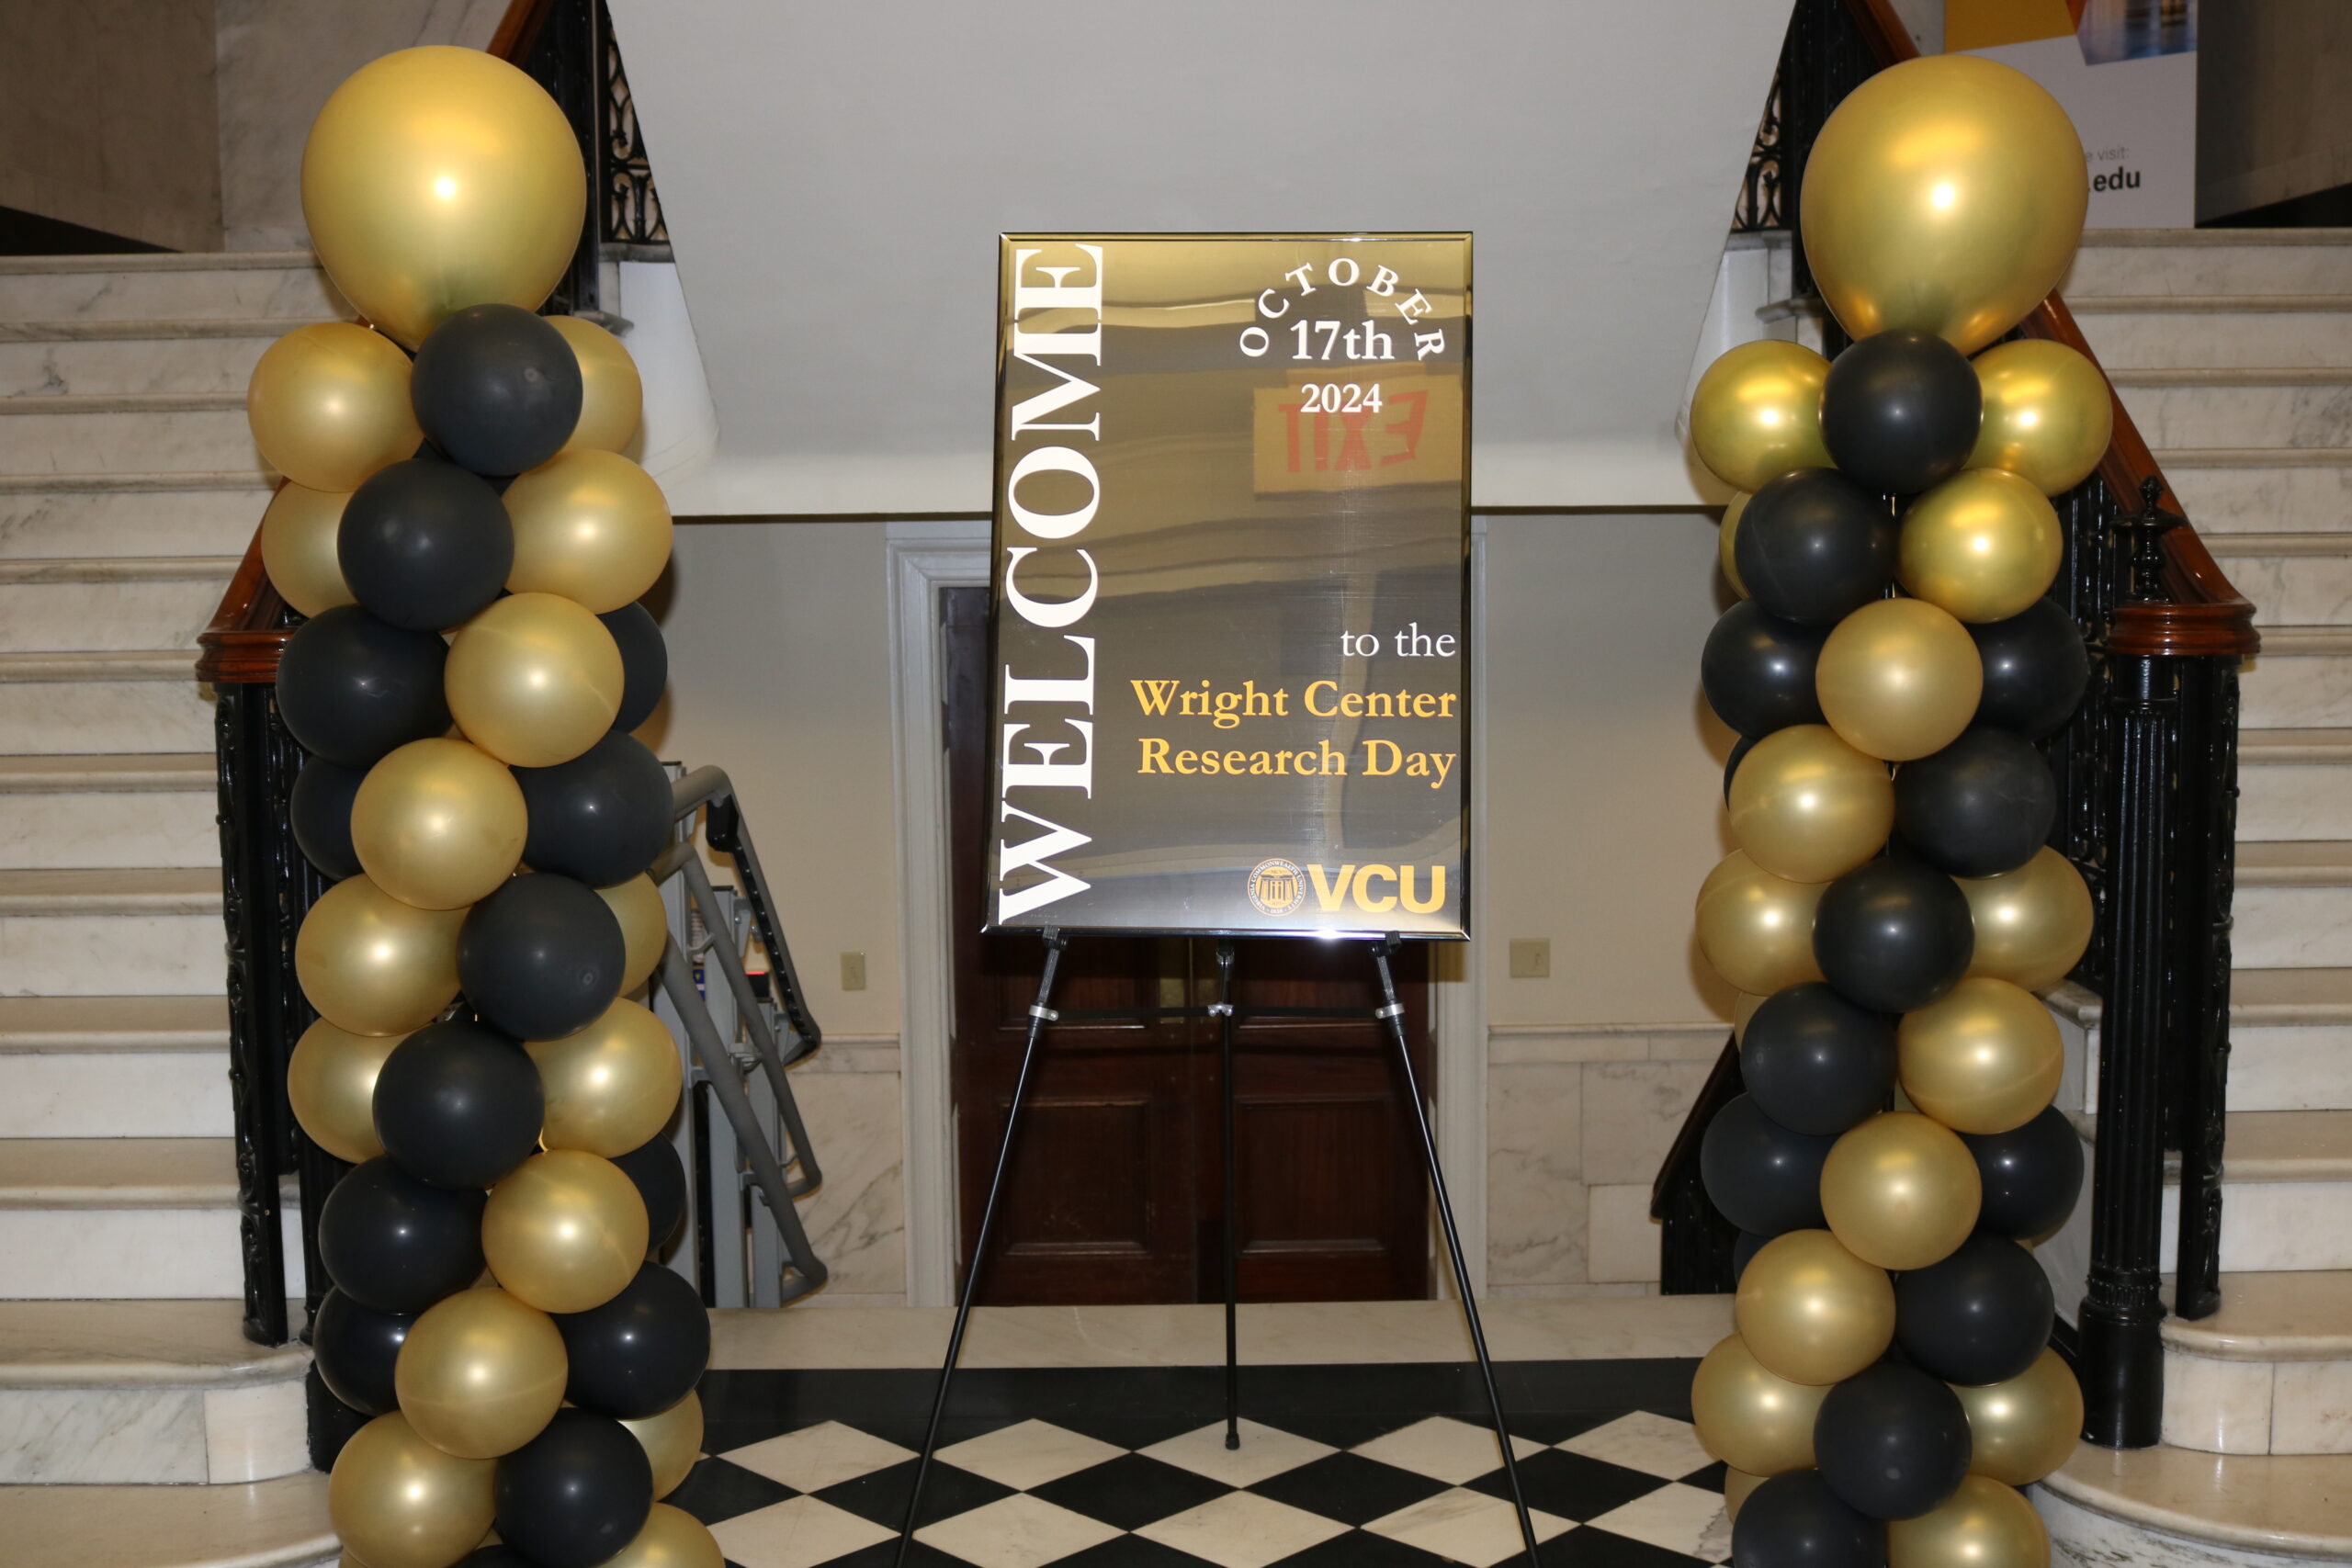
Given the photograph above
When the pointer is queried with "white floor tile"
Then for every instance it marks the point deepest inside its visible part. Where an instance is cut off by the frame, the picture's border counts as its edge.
(797, 1533)
(1450, 1451)
(816, 1457)
(1263, 1453)
(1019, 1531)
(1687, 1519)
(1465, 1527)
(1242, 1529)
(1029, 1454)
(1655, 1445)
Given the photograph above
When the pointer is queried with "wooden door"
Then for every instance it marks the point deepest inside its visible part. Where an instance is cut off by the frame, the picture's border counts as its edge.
(1116, 1192)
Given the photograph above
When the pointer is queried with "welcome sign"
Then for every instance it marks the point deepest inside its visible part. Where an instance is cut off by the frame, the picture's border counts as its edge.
(1230, 689)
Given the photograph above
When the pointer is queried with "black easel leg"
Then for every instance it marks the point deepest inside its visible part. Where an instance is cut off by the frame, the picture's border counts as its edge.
(1393, 1012)
(1223, 1010)
(1040, 1015)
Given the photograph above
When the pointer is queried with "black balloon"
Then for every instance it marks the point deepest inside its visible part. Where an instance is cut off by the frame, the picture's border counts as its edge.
(1744, 1251)
(1980, 1316)
(645, 663)
(1894, 934)
(541, 957)
(1757, 670)
(458, 1105)
(601, 817)
(2036, 670)
(1892, 1441)
(1814, 546)
(576, 1494)
(319, 810)
(353, 1347)
(1759, 1175)
(1815, 1062)
(1979, 806)
(660, 1177)
(351, 687)
(2031, 1174)
(642, 1352)
(395, 1244)
(424, 545)
(1794, 1520)
(497, 389)
(1899, 412)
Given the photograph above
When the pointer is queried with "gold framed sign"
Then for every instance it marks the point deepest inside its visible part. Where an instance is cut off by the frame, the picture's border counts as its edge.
(1230, 584)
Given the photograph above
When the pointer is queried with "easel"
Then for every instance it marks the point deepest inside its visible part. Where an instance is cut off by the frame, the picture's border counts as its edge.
(1391, 1012)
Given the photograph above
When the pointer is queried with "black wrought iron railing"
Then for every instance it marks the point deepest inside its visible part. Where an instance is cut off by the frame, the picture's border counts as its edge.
(2148, 779)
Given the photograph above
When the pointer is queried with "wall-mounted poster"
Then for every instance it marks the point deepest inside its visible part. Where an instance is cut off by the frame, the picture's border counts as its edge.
(1231, 681)
(2126, 71)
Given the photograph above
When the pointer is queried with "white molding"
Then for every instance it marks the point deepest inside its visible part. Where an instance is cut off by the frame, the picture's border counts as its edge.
(1458, 1004)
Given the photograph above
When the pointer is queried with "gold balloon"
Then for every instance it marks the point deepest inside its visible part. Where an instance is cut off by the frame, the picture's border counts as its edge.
(590, 525)
(480, 1374)
(644, 927)
(672, 1539)
(1748, 1416)
(330, 1081)
(1982, 1525)
(372, 964)
(438, 824)
(1983, 545)
(612, 398)
(535, 679)
(1812, 1312)
(673, 1442)
(298, 548)
(2032, 923)
(1756, 929)
(1738, 1485)
(2048, 413)
(1756, 413)
(1807, 807)
(565, 1231)
(1898, 678)
(438, 178)
(1900, 1190)
(398, 1502)
(2022, 1429)
(612, 1086)
(328, 405)
(1982, 1058)
(1726, 536)
(1944, 194)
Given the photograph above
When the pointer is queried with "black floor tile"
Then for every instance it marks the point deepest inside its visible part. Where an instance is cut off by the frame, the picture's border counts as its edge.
(1349, 1488)
(885, 1554)
(1131, 1491)
(882, 1495)
(1590, 1548)
(1134, 1552)
(1345, 1429)
(716, 1490)
(1549, 1426)
(1570, 1485)
(1708, 1480)
(1361, 1549)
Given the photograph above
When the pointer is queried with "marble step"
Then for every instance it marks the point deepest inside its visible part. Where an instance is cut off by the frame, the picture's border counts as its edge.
(2294, 905)
(145, 932)
(2293, 784)
(2211, 261)
(2262, 490)
(162, 1393)
(123, 701)
(109, 601)
(2300, 680)
(68, 811)
(263, 1524)
(2286, 1192)
(131, 1219)
(45, 358)
(2300, 580)
(115, 1067)
(2131, 332)
(126, 433)
(2263, 406)
(48, 516)
(229, 284)
(2290, 1041)
(95, 1026)
(2269, 1372)
(2175, 1507)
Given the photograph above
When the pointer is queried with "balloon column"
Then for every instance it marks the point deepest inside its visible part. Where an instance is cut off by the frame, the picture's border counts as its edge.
(1892, 905)
(468, 546)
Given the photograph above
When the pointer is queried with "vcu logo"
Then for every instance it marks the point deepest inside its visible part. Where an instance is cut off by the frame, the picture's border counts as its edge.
(1278, 887)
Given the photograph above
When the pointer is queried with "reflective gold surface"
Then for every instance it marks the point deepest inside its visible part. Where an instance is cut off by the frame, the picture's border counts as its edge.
(671, 1440)
(636, 904)
(1812, 1312)
(535, 679)
(2032, 924)
(1985, 1058)
(374, 965)
(590, 525)
(1983, 546)
(1983, 1524)
(610, 1087)
(438, 824)
(1807, 807)
(565, 1231)
(1757, 928)
(1900, 1190)
(399, 1502)
(2048, 413)
(298, 547)
(2022, 1429)
(1899, 679)
(1756, 413)
(1749, 1418)
(331, 1082)
(328, 405)
(612, 398)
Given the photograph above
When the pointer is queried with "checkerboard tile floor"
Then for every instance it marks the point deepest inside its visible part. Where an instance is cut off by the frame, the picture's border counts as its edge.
(1129, 1469)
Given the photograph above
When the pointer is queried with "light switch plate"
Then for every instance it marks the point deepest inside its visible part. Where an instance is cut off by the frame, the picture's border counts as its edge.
(853, 971)
(1530, 958)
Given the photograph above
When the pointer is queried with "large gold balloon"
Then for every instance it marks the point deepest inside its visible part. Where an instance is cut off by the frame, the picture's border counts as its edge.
(2022, 1429)
(1727, 538)
(1985, 1057)
(2032, 923)
(328, 405)
(1983, 1524)
(672, 1539)
(672, 1441)
(438, 178)
(565, 1231)
(1983, 545)
(398, 1502)
(1812, 1312)
(1756, 413)
(612, 1086)
(1807, 807)
(372, 964)
(480, 1374)
(644, 927)
(1898, 678)
(1944, 194)
(590, 525)
(298, 548)
(612, 399)
(1750, 1418)
(1738, 1485)
(438, 824)
(1756, 929)
(1900, 1190)
(2048, 413)
(535, 679)
(330, 1081)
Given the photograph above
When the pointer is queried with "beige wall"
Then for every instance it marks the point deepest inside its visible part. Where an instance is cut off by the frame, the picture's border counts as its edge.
(2273, 120)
